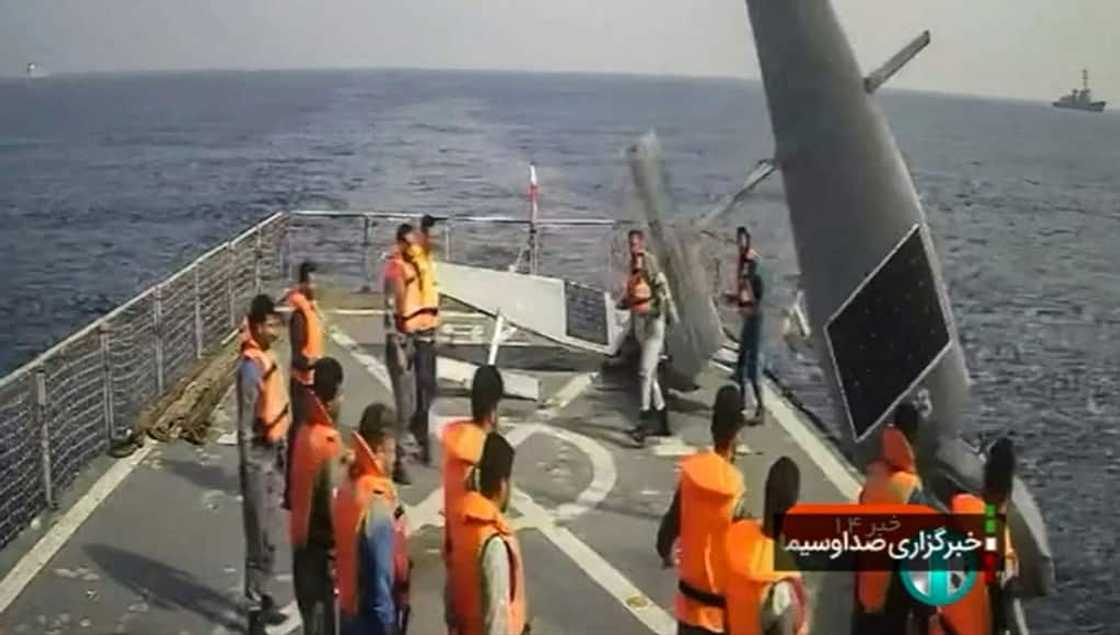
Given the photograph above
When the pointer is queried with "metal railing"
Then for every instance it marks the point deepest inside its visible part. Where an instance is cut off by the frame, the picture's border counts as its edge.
(67, 405)
(348, 245)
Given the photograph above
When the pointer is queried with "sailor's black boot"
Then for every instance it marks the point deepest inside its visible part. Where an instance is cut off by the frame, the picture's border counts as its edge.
(662, 417)
(420, 432)
(639, 432)
(270, 614)
(400, 474)
(256, 624)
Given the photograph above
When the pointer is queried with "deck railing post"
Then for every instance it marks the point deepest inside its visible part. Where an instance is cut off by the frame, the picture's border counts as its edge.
(198, 344)
(534, 237)
(367, 258)
(447, 241)
(286, 267)
(610, 282)
(231, 255)
(103, 335)
(257, 263)
(44, 434)
(157, 318)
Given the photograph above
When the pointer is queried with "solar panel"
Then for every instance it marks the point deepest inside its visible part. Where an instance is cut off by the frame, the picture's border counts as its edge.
(586, 313)
(887, 335)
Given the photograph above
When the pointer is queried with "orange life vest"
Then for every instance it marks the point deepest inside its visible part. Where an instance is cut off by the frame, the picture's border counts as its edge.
(317, 443)
(751, 575)
(462, 449)
(710, 487)
(417, 296)
(273, 415)
(972, 614)
(429, 285)
(366, 483)
(480, 521)
(892, 479)
(313, 342)
(639, 294)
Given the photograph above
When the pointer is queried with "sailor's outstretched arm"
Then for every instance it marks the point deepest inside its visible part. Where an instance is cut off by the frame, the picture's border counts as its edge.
(670, 528)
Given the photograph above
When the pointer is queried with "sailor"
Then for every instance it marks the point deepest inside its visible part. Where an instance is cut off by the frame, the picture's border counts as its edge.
(424, 364)
(982, 611)
(314, 462)
(305, 332)
(709, 498)
(765, 594)
(651, 308)
(883, 605)
(487, 573)
(263, 418)
(371, 538)
(462, 447)
(409, 318)
(893, 477)
(748, 298)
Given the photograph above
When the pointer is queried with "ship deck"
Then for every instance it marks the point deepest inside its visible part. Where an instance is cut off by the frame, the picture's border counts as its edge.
(155, 544)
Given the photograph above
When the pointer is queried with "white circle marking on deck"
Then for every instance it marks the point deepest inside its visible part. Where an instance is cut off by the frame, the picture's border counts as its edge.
(604, 477)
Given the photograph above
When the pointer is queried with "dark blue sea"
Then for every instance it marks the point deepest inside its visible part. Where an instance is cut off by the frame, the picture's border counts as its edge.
(109, 183)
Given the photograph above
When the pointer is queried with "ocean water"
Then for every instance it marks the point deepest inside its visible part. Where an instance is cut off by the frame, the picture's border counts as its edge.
(108, 183)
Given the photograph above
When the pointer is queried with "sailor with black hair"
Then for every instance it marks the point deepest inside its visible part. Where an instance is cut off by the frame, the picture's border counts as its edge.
(710, 496)
(315, 455)
(984, 609)
(487, 577)
(263, 419)
(652, 309)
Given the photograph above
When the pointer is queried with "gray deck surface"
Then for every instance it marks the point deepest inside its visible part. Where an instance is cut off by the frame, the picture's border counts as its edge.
(164, 553)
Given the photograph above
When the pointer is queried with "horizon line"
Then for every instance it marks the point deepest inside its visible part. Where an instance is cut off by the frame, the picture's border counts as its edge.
(477, 69)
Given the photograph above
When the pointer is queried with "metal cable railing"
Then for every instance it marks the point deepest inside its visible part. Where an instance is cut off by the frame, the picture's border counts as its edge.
(132, 361)
(348, 246)
(21, 485)
(72, 402)
(68, 405)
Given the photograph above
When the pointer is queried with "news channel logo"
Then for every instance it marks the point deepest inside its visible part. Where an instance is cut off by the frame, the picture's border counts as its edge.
(941, 579)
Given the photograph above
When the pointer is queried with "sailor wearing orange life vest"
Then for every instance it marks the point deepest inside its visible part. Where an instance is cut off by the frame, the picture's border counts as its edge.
(371, 538)
(263, 418)
(982, 611)
(651, 308)
(314, 462)
(425, 356)
(709, 498)
(305, 332)
(487, 573)
(748, 297)
(462, 448)
(765, 596)
(411, 318)
(882, 604)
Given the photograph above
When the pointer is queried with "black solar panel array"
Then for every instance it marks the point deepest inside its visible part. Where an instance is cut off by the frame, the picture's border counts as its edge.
(888, 334)
(586, 313)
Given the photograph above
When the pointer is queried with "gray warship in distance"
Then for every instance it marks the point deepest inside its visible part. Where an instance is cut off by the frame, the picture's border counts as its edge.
(1081, 99)
(35, 71)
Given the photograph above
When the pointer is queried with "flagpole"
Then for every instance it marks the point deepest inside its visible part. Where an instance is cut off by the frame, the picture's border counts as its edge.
(534, 210)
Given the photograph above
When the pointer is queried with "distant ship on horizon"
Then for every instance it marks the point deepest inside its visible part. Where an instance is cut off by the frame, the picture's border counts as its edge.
(1081, 99)
(34, 71)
